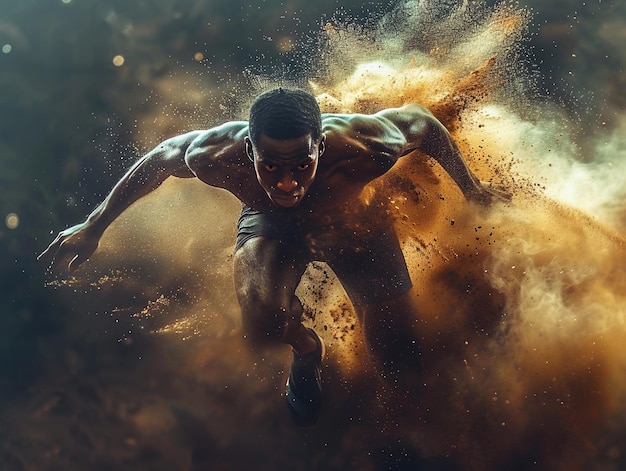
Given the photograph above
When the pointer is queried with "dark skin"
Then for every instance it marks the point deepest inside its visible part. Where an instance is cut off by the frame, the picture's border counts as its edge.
(313, 177)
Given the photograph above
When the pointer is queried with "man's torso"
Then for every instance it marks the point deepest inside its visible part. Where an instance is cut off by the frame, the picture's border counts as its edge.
(358, 150)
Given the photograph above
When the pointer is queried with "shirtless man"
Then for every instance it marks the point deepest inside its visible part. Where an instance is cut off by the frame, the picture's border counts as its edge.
(299, 175)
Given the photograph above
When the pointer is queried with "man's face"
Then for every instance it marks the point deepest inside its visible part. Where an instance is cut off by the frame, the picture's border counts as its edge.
(285, 168)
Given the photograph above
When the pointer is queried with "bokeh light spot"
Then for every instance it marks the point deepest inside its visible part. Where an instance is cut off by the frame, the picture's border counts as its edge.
(198, 56)
(7, 48)
(12, 221)
(118, 61)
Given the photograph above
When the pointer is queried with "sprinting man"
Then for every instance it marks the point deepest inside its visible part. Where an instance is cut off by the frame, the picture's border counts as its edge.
(299, 174)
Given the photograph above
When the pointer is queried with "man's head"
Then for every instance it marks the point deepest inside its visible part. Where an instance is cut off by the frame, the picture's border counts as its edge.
(285, 114)
(285, 141)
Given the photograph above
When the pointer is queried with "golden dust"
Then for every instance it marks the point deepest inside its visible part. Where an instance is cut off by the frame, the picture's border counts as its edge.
(285, 44)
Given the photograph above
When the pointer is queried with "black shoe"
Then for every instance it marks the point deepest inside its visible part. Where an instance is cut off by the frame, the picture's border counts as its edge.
(304, 386)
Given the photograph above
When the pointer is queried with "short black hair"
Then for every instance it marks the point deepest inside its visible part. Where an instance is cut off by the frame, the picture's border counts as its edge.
(285, 114)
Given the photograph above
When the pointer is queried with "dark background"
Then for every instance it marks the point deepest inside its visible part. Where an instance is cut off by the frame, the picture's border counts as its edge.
(68, 116)
(68, 126)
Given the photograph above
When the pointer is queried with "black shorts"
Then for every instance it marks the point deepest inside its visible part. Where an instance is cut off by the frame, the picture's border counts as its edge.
(369, 263)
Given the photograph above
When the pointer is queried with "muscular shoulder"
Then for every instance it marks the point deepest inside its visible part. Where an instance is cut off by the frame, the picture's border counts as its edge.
(218, 154)
(222, 135)
(402, 128)
(398, 130)
(412, 120)
(359, 135)
(218, 142)
(361, 125)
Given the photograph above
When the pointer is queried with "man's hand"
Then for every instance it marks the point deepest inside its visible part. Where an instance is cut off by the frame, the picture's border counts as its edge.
(73, 245)
(485, 194)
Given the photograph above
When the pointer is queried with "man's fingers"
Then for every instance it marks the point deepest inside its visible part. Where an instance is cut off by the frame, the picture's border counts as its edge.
(50, 253)
(69, 249)
(74, 263)
(496, 193)
(57, 262)
(501, 191)
(56, 255)
(53, 249)
(42, 254)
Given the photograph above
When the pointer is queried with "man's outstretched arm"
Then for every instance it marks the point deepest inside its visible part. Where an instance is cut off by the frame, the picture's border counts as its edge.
(424, 132)
(77, 243)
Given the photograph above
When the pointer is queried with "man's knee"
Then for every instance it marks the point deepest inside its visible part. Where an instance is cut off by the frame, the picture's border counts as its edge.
(264, 319)
(265, 285)
(263, 326)
(267, 321)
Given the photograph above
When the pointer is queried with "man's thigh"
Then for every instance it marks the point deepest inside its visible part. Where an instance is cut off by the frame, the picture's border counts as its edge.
(268, 270)
(375, 271)
(266, 274)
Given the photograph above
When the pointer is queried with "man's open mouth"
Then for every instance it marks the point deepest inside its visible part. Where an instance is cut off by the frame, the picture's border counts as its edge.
(286, 200)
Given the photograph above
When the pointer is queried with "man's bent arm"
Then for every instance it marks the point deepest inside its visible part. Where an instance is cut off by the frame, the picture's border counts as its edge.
(424, 132)
(146, 175)
(76, 244)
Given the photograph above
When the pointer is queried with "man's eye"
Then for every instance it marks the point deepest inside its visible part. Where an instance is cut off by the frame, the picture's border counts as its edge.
(303, 166)
(270, 168)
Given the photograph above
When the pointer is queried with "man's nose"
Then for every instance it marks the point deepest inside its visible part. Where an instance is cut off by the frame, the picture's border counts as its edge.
(287, 184)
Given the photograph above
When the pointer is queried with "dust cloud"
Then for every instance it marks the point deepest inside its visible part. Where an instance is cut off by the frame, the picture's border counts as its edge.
(522, 306)
(522, 313)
